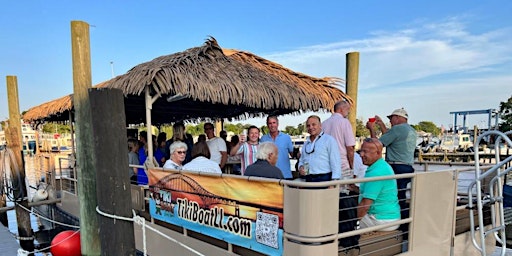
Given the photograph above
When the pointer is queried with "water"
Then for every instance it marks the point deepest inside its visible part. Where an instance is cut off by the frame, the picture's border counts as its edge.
(13, 228)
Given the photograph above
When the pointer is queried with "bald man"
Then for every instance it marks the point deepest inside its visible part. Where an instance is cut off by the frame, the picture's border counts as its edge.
(378, 200)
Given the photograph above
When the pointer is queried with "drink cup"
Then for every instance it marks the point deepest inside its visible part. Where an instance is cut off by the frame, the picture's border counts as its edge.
(306, 168)
(243, 136)
(371, 119)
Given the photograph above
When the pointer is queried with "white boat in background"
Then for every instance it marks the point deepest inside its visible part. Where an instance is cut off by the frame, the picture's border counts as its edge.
(28, 135)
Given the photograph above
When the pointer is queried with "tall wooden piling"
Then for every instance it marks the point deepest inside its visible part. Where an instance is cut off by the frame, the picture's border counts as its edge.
(113, 183)
(352, 77)
(82, 81)
(13, 138)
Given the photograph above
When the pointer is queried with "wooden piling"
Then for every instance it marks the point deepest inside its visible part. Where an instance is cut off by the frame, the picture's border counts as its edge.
(13, 139)
(82, 81)
(113, 183)
(352, 77)
(3, 215)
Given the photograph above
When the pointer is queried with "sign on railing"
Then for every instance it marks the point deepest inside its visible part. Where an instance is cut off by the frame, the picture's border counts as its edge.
(238, 211)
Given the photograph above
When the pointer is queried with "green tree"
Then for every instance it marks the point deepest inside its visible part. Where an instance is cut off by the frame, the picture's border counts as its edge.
(505, 115)
(56, 128)
(427, 126)
(291, 130)
(361, 130)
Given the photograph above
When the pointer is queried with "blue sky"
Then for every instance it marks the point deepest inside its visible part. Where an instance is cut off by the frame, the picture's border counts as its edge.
(430, 57)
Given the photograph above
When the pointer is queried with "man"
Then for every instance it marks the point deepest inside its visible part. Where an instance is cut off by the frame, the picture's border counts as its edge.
(265, 164)
(400, 143)
(217, 146)
(320, 156)
(378, 200)
(339, 127)
(247, 147)
(284, 145)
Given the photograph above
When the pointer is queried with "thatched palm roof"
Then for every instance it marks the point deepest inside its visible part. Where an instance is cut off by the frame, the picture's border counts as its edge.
(213, 84)
(55, 110)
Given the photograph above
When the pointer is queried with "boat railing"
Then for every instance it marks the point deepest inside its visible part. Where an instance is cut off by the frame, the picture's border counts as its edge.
(68, 176)
(494, 199)
(311, 217)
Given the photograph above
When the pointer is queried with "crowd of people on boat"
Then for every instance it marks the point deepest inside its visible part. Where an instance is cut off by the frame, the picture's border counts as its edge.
(327, 154)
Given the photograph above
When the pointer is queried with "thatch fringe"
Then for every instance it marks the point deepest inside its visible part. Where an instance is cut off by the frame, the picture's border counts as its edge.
(215, 83)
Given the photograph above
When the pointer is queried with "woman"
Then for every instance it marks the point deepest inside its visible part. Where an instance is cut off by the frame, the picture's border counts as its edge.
(179, 134)
(201, 160)
(178, 151)
(133, 158)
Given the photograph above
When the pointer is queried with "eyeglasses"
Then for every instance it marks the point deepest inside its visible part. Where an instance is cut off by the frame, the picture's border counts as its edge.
(180, 152)
(370, 140)
(311, 144)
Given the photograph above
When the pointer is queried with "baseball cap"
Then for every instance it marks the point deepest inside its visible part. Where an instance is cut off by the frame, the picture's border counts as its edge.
(399, 112)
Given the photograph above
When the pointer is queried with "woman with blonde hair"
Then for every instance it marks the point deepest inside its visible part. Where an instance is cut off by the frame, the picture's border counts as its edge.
(179, 134)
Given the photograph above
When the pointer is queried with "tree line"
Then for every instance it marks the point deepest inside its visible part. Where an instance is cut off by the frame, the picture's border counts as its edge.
(505, 111)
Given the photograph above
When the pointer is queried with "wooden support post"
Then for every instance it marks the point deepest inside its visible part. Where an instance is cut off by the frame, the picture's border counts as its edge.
(218, 127)
(3, 215)
(13, 138)
(352, 77)
(82, 81)
(113, 183)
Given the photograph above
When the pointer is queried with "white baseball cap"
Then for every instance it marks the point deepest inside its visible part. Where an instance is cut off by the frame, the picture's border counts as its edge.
(399, 112)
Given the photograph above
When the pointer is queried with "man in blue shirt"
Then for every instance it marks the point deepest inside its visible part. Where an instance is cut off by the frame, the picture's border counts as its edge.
(320, 158)
(284, 145)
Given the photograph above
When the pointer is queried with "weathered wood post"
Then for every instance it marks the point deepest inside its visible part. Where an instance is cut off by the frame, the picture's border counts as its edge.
(89, 229)
(352, 76)
(113, 183)
(13, 138)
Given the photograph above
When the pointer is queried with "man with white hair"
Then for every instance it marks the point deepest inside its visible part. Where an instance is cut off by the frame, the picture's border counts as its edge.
(265, 165)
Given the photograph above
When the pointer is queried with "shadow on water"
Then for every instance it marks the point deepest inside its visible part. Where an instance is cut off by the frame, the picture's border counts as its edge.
(43, 237)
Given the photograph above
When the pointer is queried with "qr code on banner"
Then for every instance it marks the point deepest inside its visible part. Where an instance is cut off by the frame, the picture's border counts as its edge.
(267, 226)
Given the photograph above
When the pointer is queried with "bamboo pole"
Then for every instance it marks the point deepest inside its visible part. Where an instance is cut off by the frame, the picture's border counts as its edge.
(13, 138)
(352, 76)
(89, 237)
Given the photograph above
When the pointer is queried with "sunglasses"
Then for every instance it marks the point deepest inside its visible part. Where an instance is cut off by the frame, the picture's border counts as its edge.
(370, 140)
(180, 152)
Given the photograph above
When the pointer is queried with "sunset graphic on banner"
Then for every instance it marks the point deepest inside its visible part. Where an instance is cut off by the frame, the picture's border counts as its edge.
(244, 212)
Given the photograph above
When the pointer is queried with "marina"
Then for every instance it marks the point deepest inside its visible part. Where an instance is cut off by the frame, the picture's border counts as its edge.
(454, 207)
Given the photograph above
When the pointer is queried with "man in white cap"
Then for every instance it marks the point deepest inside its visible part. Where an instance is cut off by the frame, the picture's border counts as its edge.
(400, 143)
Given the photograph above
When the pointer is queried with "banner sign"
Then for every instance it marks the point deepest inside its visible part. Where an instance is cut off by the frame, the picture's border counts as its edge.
(243, 212)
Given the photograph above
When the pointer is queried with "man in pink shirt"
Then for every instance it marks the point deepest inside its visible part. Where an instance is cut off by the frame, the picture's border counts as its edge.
(339, 127)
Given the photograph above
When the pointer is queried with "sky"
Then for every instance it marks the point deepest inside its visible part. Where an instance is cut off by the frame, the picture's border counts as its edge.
(429, 57)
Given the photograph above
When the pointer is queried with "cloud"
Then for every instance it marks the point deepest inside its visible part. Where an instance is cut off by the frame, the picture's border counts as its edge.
(431, 69)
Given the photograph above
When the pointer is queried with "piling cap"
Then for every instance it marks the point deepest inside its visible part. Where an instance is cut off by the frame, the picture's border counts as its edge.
(399, 112)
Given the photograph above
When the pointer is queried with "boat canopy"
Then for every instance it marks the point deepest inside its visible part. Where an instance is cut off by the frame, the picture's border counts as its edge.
(208, 83)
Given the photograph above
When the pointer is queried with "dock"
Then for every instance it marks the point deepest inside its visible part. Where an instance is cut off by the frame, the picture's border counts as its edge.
(9, 245)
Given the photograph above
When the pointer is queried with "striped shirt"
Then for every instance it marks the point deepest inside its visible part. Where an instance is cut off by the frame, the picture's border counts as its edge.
(247, 154)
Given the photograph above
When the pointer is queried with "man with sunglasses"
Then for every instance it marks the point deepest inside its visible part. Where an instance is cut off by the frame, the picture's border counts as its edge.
(378, 200)
(320, 158)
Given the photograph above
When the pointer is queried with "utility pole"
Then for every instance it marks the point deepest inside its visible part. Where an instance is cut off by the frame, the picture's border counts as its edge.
(112, 68)
(13, 138)
(82, 81)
